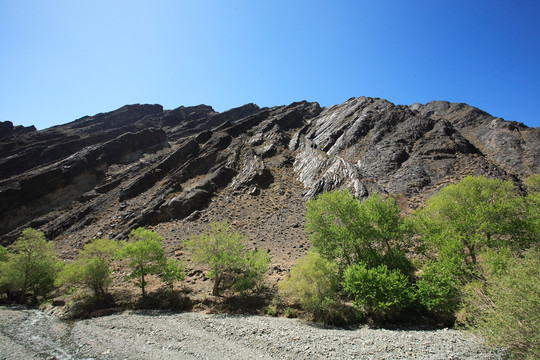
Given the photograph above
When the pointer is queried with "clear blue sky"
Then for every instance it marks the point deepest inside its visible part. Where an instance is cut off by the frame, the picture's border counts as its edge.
(60, 60)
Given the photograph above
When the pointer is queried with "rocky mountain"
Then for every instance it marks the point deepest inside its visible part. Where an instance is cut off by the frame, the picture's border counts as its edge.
(177, 170)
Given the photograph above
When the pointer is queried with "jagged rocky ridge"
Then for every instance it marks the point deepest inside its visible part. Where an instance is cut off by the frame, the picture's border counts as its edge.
(178, 169)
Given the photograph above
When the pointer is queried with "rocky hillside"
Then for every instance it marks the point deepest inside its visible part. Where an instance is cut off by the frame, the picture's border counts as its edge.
(177, 170)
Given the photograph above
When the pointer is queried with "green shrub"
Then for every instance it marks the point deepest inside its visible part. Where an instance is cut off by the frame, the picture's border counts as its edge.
(438, 289)
(229, 262)
(31, 266)
(146, 256)
(312, 282)
(533, 183)
(4, 281)
(505, 309)
(271, 310)
(378, 291)
(93, 266)
(3, 254)
(290, 313)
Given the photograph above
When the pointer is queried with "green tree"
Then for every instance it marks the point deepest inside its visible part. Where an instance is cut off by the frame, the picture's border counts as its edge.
(312, 282)
(438, 288)
(251, 272)
(171, 272)
(31, 265)
(224, 252)
(475, 213)
(458, 224)
(93, 266)
(146, 256)
(348, 231)
(505, 308)
(532, 208)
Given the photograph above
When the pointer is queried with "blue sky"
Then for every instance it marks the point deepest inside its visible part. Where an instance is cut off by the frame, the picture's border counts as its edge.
(61, 60)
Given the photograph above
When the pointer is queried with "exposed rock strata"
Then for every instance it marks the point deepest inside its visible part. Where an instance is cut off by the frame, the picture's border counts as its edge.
(141, 165)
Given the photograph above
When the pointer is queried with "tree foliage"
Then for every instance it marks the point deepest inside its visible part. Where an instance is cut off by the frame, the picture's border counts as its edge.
(348, 231)
(250, 273)
(93, 266)
(173, 270)
(30, 266)
(3, 253)
(146, 256)
(4, 283)
(379, 290)
(533, 183)
(532, 208)
(475, 213)
(224, 252)
(438, 289)
(505, 308)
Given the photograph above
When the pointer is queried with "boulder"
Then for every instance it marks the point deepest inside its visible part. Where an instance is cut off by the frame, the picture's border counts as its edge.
(186, 203)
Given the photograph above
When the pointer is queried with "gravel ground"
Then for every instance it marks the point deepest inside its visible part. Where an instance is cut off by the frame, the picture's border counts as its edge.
(27, 334)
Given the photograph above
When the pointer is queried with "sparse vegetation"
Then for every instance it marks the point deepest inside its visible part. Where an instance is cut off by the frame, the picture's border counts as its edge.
(223, 251)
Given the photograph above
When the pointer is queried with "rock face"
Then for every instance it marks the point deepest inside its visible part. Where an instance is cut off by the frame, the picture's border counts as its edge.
(142, 165)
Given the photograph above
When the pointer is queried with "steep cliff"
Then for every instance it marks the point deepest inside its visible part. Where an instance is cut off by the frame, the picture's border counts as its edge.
(176, 170)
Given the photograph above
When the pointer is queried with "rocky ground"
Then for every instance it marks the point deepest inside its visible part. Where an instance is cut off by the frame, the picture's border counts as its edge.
(30, 334)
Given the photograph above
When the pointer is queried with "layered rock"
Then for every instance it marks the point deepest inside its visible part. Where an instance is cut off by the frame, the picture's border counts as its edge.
(372, 145)
(142, 165)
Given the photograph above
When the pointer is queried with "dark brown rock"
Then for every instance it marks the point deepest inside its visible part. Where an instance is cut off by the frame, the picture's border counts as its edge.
(141, 165)
(187, 203)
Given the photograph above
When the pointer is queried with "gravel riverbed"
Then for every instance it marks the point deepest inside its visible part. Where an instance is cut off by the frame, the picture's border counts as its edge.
(31, 334)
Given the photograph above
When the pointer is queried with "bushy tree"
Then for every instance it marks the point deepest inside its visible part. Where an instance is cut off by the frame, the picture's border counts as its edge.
(532, 208)
(475, 214)
(146, 256)
(251, 272)
(312, 282)
(224, 252)
(469, 227)
(348, 231)
(505, 308)
(378, 291)
(93, 266)
(31, 266)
